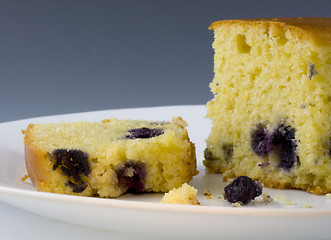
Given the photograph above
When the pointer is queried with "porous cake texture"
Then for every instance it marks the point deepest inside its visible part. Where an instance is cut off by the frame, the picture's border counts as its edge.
(185, 194)
(272, 102)
(109, 158)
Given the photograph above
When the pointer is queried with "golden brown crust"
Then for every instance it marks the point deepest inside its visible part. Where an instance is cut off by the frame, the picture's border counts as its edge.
(282, 185)
(316, 29)
(36, 162)
(192, 157)
(312, 189)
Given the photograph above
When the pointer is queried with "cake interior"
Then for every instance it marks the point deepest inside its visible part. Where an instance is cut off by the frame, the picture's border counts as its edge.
(108, 158)
(271, 107)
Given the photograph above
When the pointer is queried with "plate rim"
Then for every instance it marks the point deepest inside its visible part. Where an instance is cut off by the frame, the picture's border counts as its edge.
(102, 111)
(163, 207)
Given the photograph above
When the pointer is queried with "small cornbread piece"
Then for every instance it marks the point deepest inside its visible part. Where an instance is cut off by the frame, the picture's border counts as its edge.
(109, 158)
(271, 109)
(185, 194)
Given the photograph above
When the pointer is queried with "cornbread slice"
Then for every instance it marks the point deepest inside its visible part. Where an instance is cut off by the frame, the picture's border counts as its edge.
(109, 158)
(271, 111)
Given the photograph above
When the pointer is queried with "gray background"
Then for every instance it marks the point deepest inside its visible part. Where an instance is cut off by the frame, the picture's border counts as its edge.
(74, 56)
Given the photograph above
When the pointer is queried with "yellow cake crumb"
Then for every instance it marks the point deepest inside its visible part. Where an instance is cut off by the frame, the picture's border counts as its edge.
(308, 205)
(267, 198)
(185, 194)
(288, 202)
(25, 177)
(280, 197)
(237, 204)
(179, 121)
(284, 200)
(207, 194)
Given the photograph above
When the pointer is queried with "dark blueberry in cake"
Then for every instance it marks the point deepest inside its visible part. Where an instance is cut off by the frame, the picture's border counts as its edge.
(281, 142)
(243, 189)
(285, 146)
(264, 165)
(227, 151)
(208, 155)
(311, 71)
(132, 176)
(77, 187)
(73, 164)
(329, 148)
(261, 140)
(144, 133)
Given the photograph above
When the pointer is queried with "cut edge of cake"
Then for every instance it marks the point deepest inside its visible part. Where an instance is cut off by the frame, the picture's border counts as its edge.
(249, 126)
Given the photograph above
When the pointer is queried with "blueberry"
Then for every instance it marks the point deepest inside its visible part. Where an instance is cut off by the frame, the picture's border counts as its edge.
(74, 164)
(281, 141)
(285, 146)
(311, 71)
(261, 140)
(144, 133)
(242, 189)
(77, 187)
(208, 155)
(131, 175)
(264, 165)
(227, 151)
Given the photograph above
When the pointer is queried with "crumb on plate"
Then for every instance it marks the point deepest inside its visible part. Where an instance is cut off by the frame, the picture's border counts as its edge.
(308, 205)
(185, 194)
(207, 194)
(237, 204)
(267, 198)
(25, 177)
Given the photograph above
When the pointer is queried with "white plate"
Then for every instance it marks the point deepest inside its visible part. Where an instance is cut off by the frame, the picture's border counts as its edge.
(286, 217)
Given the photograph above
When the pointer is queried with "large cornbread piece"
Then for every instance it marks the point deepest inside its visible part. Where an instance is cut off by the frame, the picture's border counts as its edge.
(109, 158)
(271, 111)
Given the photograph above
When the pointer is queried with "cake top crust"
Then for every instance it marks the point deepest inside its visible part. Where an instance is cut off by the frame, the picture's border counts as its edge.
(315, 29)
